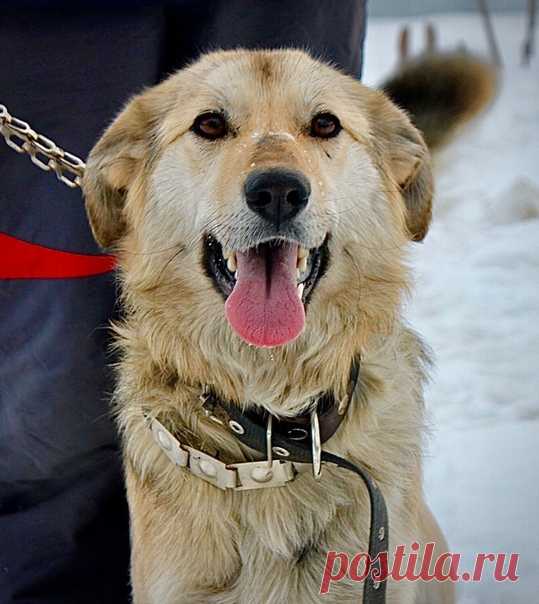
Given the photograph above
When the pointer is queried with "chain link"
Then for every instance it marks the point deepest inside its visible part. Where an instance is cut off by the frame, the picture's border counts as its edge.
(43, 152)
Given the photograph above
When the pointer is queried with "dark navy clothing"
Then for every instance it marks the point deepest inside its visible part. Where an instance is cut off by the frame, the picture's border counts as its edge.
(67, 68)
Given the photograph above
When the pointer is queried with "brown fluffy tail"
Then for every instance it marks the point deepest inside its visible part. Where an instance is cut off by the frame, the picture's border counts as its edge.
(441, 91)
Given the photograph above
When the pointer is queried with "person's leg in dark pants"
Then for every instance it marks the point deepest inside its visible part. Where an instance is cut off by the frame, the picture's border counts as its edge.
(63, 516)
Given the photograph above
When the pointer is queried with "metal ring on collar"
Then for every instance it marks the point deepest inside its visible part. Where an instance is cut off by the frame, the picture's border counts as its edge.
(316, 445)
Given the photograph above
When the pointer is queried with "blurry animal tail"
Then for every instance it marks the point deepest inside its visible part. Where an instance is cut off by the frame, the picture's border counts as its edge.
(440, 91)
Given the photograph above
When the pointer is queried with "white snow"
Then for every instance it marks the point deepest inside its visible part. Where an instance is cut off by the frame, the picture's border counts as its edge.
(476, 303)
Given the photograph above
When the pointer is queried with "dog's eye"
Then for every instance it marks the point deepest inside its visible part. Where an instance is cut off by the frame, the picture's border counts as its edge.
(210, 125)
(325, 125)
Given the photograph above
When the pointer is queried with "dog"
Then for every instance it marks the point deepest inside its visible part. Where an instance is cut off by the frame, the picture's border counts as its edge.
(261, 205)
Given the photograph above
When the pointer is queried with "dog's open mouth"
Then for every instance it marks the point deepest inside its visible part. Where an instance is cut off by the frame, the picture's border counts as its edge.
(266, 287)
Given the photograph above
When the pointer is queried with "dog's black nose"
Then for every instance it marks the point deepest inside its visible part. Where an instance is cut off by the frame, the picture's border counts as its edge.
(277, 195)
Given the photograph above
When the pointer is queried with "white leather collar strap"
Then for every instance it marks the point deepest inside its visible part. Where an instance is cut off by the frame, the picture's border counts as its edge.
(237, 476)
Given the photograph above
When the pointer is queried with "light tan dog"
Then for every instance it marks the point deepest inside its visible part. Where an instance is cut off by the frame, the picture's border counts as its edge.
(262, 205)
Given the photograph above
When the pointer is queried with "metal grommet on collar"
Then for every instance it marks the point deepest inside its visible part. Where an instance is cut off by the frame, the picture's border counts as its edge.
(281, 452)
(236, 427)
(297, 434)
(381, 533)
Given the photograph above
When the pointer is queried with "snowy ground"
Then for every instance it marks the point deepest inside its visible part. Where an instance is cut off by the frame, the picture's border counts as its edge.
(477, 304)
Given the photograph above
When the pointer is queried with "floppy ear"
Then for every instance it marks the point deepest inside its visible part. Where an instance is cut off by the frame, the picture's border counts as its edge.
(110, 169)
(408, 159)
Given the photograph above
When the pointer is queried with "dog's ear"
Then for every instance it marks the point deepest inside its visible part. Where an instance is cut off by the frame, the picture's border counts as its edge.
(406, 156)
(111, 168)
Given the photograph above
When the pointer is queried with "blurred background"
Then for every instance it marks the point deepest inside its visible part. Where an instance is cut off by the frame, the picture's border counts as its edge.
(476, 300)
(390, 8)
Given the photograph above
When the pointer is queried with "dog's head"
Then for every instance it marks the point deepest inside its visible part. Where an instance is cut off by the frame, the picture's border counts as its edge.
(254, 185)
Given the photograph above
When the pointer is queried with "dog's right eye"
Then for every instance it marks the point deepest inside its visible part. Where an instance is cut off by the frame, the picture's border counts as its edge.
(325, 125)
(210, 125)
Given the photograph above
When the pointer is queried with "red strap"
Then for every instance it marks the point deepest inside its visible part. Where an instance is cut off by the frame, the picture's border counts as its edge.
(24, 260)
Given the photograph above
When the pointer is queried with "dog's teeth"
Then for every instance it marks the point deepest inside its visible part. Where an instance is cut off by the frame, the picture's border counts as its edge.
(298, 274)
(302, 264)
(227, 253)
(300, 290)
(302, 253)
(231, 263)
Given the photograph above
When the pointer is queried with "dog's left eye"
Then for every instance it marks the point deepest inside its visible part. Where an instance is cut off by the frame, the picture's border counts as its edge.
(325, 125)
(210, 125)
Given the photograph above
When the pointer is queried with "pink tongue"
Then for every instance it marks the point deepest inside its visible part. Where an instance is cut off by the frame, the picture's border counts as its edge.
(264, 308)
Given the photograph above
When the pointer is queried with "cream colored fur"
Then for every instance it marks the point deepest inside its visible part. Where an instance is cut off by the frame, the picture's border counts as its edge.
(153, 188)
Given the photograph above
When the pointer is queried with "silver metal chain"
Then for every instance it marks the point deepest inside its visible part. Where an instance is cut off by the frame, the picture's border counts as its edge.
(43, 152)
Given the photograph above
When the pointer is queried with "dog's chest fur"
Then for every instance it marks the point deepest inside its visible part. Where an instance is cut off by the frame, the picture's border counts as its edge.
(195, 543)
